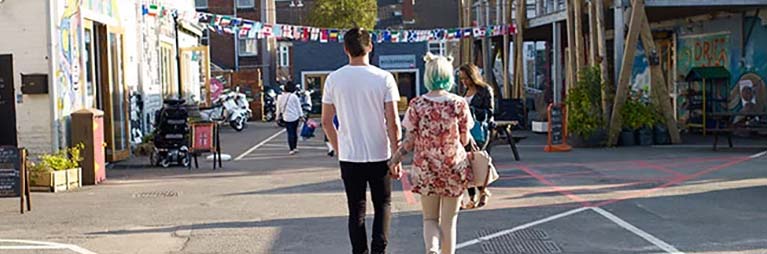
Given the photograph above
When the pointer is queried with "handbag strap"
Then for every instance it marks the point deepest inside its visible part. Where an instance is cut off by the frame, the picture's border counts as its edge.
(282, 110)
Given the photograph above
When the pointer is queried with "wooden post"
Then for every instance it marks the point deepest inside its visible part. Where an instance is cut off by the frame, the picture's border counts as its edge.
(571, 65)
(593, 55)
(622, 91)
(519, 41)
(579, 49)
(506, 39)
(602, 58)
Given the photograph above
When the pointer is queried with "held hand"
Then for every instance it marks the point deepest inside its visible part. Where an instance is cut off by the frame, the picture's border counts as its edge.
(470, 155)
(395, 171)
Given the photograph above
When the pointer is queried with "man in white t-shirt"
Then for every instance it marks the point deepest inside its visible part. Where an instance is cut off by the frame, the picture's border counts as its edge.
(364, 98)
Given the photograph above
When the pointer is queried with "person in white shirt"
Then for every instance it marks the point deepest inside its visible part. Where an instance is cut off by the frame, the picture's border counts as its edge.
(364, 98)
(289, 110)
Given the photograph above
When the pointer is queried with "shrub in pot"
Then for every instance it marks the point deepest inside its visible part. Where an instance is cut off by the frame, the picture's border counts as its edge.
(584, 113)
(58, 171)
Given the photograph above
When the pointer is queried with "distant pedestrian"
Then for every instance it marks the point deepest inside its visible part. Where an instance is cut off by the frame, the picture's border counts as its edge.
(364, 98)
(479, 95)
(331, 151)
(289, 111)
(438, 125)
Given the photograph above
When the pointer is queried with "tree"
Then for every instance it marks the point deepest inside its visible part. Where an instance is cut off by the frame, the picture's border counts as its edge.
(344, 13)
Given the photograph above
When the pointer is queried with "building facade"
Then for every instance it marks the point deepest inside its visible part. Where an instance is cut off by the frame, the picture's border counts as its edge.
(74, 55)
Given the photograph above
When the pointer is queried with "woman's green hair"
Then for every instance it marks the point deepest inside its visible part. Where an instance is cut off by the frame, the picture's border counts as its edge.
(439, 72)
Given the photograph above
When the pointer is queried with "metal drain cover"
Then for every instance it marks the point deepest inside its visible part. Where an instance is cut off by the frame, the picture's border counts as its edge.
(526, 241)
(156, 194)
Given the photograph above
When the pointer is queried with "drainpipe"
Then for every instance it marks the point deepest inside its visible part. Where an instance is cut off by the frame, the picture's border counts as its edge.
(236, 40)
(53, 91)
(178, 58)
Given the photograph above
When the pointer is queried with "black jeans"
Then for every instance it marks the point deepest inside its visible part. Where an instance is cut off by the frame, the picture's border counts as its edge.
(292, 128)
(357, 176)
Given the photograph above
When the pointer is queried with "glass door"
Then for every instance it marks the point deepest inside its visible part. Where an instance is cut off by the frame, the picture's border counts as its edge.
(316, 83)
(119, 100)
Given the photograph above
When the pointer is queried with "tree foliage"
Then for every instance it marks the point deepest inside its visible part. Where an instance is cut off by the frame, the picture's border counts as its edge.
(344, 13)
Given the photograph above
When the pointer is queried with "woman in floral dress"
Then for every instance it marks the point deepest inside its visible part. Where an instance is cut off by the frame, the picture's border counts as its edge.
(438, 125)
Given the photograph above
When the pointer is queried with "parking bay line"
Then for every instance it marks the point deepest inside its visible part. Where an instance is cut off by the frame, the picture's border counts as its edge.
(641, 233)
(518, 228)
(40, 245)
(260, 144)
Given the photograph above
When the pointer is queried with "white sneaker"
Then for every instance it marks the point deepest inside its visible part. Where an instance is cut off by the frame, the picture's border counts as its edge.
(293, 152)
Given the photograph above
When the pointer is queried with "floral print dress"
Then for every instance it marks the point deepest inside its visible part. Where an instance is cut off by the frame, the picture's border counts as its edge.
(439, 161)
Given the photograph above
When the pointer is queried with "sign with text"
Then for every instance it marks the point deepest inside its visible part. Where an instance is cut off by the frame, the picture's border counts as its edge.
(10, 171)
(556, 126)
(396, 62)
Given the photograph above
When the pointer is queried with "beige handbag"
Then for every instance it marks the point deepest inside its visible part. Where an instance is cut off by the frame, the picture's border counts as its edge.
(482, 166)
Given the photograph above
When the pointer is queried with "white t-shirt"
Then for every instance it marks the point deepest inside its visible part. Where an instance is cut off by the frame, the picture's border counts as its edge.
(292, 110)
(358, 94)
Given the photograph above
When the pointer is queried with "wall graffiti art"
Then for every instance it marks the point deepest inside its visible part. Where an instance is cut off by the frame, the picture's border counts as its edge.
(67, 75)
(706, 50)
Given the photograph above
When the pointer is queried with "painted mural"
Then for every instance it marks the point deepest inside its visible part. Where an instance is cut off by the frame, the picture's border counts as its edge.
(708, 50)
(749, 91)
(68, 73)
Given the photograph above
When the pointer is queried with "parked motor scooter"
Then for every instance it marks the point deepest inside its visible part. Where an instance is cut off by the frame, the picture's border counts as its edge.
(305, 97)
(231, 106)
(270, 103)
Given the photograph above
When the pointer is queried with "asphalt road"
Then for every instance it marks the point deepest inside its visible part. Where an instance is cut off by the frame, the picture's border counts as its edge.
(671, 199)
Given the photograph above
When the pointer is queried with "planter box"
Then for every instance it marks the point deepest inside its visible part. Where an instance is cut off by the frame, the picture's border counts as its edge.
(597, 139)
(55, 181)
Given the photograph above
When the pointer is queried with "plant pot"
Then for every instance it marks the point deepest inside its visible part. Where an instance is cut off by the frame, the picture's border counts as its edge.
(661, 135)
(55, 181)
(644, 136)
(628, 138)
(596, 139)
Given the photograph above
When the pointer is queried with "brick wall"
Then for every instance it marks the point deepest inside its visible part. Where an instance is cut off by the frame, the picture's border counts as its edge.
(222, 49)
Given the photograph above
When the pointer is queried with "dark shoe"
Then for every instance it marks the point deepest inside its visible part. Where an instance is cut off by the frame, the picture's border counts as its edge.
(332, 153)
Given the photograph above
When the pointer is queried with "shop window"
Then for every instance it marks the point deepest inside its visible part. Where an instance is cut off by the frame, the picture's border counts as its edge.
(248, 47)
(246, 3)
(284, 56)
(438, 48)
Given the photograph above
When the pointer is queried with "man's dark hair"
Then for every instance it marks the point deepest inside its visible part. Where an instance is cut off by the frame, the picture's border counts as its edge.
(290, 87)
(356, 40)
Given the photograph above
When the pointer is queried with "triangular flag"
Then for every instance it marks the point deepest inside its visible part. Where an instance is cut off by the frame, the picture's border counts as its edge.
(394, 36)
(467, 32)
(256, 30)
(341, 35)
(287, 32)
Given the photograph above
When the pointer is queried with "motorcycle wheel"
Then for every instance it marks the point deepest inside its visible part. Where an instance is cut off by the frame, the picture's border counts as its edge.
(238, 124)
(165, 163)
(269, 116)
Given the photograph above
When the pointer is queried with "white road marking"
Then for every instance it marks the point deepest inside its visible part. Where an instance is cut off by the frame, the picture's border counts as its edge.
(650, 238)
(755, 156)
(272, 147)
(39, 245)
(702, 146)
(518, 228)
(260, 144)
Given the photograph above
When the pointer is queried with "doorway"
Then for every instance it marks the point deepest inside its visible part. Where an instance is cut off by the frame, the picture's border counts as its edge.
(7, 103)
(105, 83)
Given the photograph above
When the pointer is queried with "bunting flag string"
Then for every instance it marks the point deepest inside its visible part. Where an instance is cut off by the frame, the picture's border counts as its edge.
(250, 29)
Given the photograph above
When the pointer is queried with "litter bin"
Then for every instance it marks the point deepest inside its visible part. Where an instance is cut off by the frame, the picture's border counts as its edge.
(88, 128)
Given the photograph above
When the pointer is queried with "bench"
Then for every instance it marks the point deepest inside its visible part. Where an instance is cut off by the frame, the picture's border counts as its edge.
(725, 125)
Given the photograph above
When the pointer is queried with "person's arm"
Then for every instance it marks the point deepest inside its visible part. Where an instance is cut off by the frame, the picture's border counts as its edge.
(295, 103)
(393, 127)
(465, 123)
(328, 112)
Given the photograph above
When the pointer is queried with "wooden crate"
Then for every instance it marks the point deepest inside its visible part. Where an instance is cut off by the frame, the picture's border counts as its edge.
(56, 181)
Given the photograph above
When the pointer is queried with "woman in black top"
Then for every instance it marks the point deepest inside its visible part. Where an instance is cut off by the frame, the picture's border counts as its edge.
(480, 97)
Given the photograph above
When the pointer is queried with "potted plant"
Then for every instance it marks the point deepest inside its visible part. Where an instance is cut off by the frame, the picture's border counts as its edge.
(59, 171)
(661, 134)
(584, 113)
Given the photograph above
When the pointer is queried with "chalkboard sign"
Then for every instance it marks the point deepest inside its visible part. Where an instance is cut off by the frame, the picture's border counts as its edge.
(10, 172)
(556, 127)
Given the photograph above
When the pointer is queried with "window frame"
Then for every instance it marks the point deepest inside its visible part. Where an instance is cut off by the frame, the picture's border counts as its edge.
(284, 55)
(243, 44)
(207, 3)
(251, 4)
